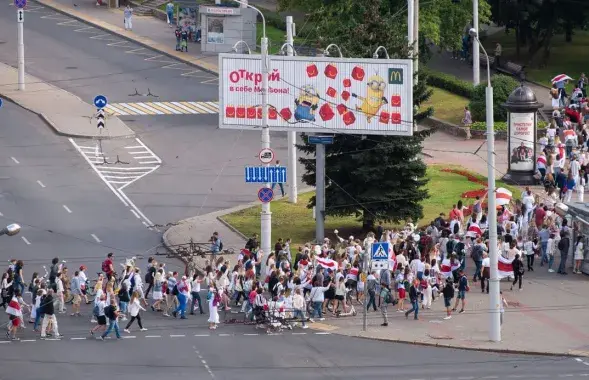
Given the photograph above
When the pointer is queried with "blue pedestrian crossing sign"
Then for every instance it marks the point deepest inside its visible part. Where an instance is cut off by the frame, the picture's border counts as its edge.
(380, 251)
(265, 174)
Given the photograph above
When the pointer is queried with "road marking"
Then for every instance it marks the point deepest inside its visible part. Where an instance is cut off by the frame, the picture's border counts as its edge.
(41, 184)
(322, 333)
(134, 147)
(135, 213)
(225, 334)
(299, 333)
(129, 337)
(149, 162)
(67, 209)
(153, 336)
(203, 335)
(177, 336)
(25, 240)
(251, 334)
(1, 214)
(139, 152)
(95, 238)
(15, 160)
(77, 338)
(29, 340)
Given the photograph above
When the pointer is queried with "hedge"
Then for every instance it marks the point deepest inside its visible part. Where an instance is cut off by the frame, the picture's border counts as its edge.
(273, 19)
(449, 83)
(501, 126)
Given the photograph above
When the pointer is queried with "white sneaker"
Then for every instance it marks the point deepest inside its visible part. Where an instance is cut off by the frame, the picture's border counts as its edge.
(305, 327)
(311, 320)
(551, 270)
(127, 331)
(321, 319)
(123, 319)
(448, 317)
(93, 320)
(143, 329)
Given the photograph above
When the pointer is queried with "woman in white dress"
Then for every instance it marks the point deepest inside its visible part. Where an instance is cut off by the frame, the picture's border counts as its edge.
(579, 254)
(214, 299)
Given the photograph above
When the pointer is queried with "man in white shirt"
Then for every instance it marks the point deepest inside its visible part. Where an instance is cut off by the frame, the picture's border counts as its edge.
(486, 272)
(528, 200)
(575, 167)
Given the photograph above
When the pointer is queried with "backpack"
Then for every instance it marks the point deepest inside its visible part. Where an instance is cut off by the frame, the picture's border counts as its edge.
(561, 244)
(105, 266)
(175, 290)
(387, 296)
(450, 246)
(220, 246)
(109, 312)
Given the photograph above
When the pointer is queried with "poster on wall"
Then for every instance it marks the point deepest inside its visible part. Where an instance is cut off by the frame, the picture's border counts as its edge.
(521, 141)
(332, 95)
(215, 34)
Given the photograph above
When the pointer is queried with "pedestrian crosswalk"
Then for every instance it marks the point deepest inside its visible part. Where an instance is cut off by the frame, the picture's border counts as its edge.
(162, 108)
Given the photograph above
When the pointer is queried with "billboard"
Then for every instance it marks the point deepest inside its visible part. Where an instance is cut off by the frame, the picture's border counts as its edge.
(309, 94)
(521, 141)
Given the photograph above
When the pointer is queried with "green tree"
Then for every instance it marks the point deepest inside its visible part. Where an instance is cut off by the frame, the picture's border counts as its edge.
(503, 85)
(372, 177)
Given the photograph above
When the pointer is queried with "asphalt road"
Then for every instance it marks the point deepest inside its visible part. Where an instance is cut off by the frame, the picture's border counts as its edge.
(63, 207)
(202, 168)
(229, 354)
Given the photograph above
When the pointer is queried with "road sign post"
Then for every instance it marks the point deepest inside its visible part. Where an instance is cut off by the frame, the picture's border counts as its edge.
(320, 142)
(20, 4)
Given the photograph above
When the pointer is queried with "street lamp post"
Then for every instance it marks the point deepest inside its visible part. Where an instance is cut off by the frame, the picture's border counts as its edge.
(10, 230)
(326, 51)
(494, 296)
(291, 135)
(266, 214)
(476, 65)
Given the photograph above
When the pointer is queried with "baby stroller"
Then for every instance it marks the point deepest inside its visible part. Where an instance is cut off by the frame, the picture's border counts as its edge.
(275, 318)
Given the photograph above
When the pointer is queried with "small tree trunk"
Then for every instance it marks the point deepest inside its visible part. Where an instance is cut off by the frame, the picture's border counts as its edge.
(367, 222)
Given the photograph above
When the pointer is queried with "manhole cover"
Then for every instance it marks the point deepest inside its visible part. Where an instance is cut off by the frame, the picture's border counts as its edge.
(71, 68)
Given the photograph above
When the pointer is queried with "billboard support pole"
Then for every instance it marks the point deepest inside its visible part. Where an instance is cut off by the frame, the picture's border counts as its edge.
(320, 193)
(292, 136)
(266, 214)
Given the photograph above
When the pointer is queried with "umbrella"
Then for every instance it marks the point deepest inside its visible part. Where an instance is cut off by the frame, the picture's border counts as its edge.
(560, 78)
(503, 196)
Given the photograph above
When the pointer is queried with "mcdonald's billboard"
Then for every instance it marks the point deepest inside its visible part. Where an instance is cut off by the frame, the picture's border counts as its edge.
(329, 95)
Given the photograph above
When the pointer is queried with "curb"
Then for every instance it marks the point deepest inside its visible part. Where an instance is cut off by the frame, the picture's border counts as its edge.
(480, 349)
(230, 226)
(145, 42)
(56, 130)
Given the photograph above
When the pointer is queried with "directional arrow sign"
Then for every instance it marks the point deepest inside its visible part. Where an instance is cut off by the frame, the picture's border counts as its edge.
(100, 101)
(20, 15)
(262, 174)
(100, 119)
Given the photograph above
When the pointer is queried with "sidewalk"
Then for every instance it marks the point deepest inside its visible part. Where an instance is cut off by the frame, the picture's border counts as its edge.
(443, 62)
(49, 102)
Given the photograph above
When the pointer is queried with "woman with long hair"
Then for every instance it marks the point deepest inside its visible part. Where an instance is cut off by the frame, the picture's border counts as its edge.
(579, 254)
(158, 295)
(134, 308)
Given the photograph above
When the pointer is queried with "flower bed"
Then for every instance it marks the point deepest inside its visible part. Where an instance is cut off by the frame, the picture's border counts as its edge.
(472, 194)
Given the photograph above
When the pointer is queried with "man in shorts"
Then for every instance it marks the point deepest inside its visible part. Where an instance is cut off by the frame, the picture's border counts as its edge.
(76, 290)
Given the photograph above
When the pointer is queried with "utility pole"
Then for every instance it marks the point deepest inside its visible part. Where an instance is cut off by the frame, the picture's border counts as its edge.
(416, 37)
(292, 135)
(366, 272)
(21, 49)
(476, 65)
(320, 192)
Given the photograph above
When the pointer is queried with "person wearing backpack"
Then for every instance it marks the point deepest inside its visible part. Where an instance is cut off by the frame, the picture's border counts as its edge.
(477, 256)
(112, 313)
(387, 299)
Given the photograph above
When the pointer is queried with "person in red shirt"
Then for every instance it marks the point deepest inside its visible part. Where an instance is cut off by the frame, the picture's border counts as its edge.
(108, 266)
(540, 215)
(454, 213)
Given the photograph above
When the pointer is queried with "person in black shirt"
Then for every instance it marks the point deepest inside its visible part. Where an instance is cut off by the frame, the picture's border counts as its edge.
(49, 318)
(252, 244)
(414, 298)
(278, 247)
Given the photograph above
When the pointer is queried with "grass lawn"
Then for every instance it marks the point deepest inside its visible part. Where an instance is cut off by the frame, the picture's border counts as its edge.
(565, 58)
(447, 106)
(296, 220)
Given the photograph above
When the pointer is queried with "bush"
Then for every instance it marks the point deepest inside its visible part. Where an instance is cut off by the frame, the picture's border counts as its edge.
(501, 126)
(449, 83)
(273, 19)
(502, 86)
